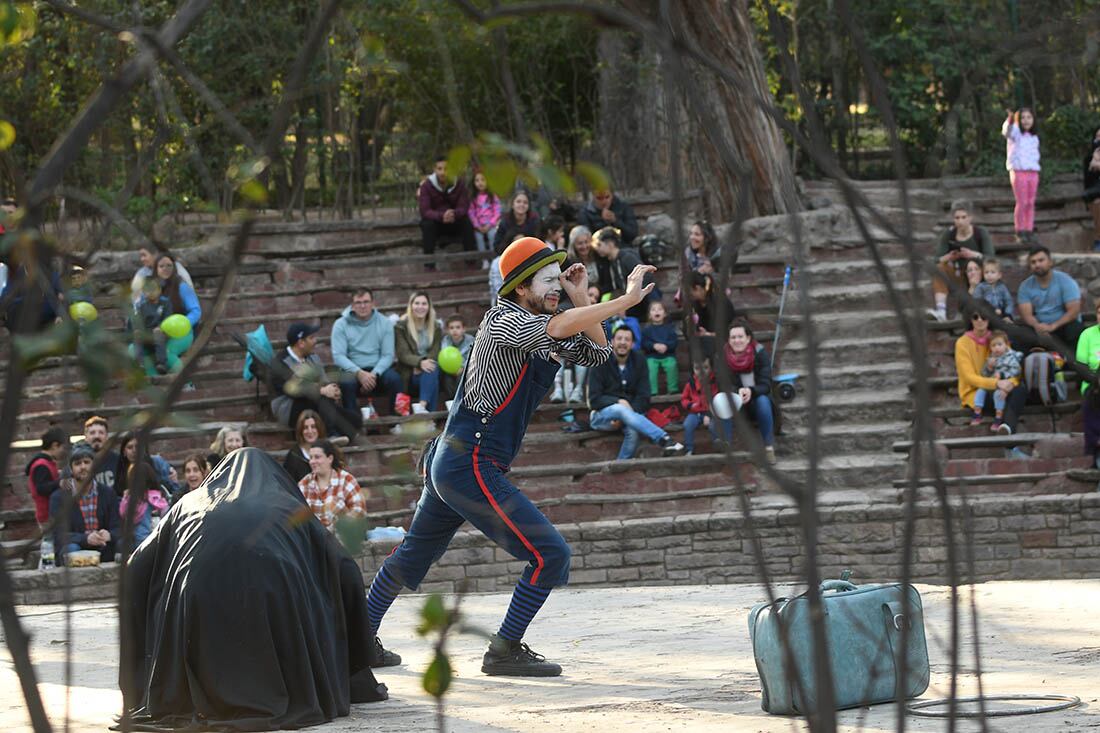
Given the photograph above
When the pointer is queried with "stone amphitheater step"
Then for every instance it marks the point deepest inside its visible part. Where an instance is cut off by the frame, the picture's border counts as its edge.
(845, 406)
(847, 471)
(844, 437)
(842, 351)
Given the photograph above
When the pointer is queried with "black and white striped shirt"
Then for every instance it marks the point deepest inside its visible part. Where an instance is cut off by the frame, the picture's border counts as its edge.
(508, 335)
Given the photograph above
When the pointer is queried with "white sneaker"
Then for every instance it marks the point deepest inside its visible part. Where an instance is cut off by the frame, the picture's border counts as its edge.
(937, 315)
(558, 396)
(577, 395)
(396, 429)
(419, 409)
(340, 440)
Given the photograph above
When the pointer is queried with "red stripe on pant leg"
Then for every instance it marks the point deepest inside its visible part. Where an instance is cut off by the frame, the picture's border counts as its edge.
(507, 520)
(512, 393)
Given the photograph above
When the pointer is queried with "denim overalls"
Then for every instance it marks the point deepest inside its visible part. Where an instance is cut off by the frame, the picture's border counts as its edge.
(465, 481)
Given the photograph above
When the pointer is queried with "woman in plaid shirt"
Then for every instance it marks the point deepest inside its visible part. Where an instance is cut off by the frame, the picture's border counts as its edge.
(329, 490)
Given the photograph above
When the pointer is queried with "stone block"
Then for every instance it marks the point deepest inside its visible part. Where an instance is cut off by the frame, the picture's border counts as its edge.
(603, 560)
(1036, 568)
(642, 557)
(652, 572)
(586, 577)
(443, 586)
(648, 527)
(620, 575)
(1023, 522)
(447, 572)
(697, 560)
(660, 543)
(1039, 538)
(603, 530)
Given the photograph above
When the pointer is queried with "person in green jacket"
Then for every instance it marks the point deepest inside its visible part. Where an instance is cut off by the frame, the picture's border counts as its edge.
(1088, 355)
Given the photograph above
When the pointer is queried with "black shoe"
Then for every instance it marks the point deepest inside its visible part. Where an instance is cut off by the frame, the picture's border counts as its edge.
(384, 657)
(508, 658)
(670, 447)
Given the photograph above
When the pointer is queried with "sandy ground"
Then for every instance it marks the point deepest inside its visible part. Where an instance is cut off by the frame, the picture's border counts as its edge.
(638, 659)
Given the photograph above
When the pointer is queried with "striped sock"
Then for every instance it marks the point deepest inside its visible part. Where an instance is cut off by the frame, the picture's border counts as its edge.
(383, 590)
(527, 599)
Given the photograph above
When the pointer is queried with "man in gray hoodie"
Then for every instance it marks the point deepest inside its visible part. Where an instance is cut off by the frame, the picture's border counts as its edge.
(362, 347)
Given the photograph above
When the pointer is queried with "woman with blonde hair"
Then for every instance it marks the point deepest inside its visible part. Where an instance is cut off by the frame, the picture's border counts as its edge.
(228, 439)
(417, 339)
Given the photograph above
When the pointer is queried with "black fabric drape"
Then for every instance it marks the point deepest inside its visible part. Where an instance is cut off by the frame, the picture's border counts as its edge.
(244, 612)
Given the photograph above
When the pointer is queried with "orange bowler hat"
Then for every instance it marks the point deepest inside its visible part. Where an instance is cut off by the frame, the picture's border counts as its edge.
(523, 258)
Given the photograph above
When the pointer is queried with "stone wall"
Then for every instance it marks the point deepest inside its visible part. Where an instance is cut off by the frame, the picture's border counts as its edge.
(1015, 537)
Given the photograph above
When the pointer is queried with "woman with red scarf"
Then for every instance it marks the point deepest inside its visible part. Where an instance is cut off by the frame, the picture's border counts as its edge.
(751, 372)
(971, 352)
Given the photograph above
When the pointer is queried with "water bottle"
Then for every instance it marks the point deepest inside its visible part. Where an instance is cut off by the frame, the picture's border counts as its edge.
(45, 554)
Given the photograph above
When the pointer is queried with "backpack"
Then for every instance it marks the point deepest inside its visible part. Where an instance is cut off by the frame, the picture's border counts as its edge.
(1043, 374)
(258, 354)
(653, 249)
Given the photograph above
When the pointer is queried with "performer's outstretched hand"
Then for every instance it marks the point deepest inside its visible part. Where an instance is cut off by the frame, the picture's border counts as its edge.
(634, 287)
(574, 281)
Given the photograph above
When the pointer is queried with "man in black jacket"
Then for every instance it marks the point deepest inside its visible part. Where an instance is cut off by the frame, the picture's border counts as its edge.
(606, 209)
(615, 263)
(299, 383)
(618, 395)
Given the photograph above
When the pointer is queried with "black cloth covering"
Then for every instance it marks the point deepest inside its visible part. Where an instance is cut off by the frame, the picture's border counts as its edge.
(245, 613)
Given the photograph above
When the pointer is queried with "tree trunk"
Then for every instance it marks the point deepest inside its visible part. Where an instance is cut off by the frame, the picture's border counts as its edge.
(632, 134)
(724, 31)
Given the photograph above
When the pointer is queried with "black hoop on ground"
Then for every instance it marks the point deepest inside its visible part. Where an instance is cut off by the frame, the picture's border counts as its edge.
(1063, 702)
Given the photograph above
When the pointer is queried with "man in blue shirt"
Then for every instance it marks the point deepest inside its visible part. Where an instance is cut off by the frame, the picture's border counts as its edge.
(1050, 304)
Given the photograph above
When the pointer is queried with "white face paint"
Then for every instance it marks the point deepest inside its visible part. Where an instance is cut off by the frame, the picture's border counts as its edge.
(545, 292)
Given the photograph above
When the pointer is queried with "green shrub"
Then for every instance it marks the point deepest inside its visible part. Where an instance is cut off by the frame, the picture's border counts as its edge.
(1067, 132)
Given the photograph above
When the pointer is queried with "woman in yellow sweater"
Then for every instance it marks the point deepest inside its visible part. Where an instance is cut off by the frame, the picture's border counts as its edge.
(971, 354)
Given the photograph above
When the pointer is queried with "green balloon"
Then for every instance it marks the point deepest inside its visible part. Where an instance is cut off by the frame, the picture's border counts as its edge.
(605, 297)
(176, 326)
(83, 311)
(450, 360)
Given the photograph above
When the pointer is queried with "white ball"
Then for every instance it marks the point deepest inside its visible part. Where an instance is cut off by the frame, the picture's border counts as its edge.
(725, 404)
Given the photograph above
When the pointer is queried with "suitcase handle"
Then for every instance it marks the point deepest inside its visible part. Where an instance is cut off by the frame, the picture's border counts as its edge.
(838, 585)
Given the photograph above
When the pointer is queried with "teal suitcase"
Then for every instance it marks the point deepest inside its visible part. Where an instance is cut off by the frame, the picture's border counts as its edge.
(864, 627)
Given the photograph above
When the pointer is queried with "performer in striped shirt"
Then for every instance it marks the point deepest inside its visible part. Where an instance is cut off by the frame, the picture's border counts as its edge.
(519, 348)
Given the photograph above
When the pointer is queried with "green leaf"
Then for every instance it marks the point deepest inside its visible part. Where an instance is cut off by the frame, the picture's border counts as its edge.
(7, 134)
(457, 161)
(438, 676)
(500, 174)
(56, 340)
(17, 22)
(433, 616)
(351, 531)
(595, 176)
(253, 191)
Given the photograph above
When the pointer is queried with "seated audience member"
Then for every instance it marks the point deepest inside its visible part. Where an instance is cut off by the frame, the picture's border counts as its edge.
(519, 221)
(710, 309)
(309, 429)
(303, 385)
(150, 343)
(1049, 304)
(553, 231)
(8, 207)
(84, 518)
(444, 210)
(183, 299)
(484, 214)
(228, 439)
(1092, 188)
(331, 491)
(995, 292)
(457, 337)
(971, 354)
(44, 471)
(166, 475)
(144, 492)
(961, 243)
(1003, 363)
(618, 396)
(606, 209)
(702, 250)
(148, 254)
(751, 373)
(659, 342)
(695, 401)
(1088, 356)
(417, 340)
(362, 347)
(96, 432)
(581, 250)
(973, 276)
(195, 471)
(622, 319)
(615, 265)
(14, 295)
